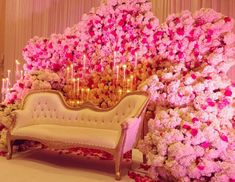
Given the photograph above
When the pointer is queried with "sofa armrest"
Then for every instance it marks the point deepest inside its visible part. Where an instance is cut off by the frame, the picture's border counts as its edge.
(129, 123)
(130, 128)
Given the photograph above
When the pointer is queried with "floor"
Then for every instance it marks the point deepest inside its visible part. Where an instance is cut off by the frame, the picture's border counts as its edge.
(48, 166)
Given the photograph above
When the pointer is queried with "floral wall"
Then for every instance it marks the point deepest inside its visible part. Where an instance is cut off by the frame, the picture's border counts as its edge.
(120, 47)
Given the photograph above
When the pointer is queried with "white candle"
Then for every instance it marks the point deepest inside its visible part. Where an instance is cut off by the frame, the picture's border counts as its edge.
(114, 60)
(136, 59)
(77, 86)
(88, 92)
(128, 84)
(74, 88)
(72, 72)
(17, 74)
(132, 80)
(67, 74)
(21, 74)
(124, 72)
(117, 72)
(3, 88)
(84, 65)
(82, 92)
(9, 78)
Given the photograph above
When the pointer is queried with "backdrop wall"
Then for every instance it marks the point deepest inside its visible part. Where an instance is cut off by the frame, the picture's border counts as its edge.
(20, 20)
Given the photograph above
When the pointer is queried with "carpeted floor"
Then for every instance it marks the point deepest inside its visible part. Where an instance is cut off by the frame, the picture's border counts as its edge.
(48, 166)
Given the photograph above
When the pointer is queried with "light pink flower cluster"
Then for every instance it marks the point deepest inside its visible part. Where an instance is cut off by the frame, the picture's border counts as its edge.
(182, 63)
(35, 80)
(191, 136)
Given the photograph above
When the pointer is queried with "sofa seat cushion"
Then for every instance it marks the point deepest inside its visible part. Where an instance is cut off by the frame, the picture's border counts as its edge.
(71, 135)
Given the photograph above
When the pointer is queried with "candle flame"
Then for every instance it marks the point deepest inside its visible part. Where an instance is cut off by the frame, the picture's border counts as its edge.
(17, 62)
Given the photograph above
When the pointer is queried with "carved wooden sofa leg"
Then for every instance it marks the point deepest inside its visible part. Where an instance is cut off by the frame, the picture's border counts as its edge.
(9, 147)
(145, 160)
(118, 160)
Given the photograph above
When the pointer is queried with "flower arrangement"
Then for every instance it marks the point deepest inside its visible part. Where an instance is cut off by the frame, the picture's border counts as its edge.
(120, 47)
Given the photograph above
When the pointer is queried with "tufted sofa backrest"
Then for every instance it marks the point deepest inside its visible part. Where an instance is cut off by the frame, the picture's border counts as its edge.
(50, 108)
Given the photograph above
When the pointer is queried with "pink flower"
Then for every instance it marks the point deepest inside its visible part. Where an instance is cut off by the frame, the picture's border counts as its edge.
(227, 19)
(228, 92)
(193, 76)
(180, 31)
(224, 137)
(187, 127)
(194, 131)
(194, 120)
(210, 102)
(205, 145)
(200, 167)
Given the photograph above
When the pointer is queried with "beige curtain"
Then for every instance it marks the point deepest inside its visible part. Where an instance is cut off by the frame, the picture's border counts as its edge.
(24, 19)
(27, 18)
(2, 29)
(162, 8)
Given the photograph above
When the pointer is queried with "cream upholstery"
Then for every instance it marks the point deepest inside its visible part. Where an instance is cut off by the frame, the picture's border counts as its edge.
(48, 108)
(46, 118)
(71, 135)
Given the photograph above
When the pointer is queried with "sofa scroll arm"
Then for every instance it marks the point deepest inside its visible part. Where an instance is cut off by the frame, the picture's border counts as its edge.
(129, 123)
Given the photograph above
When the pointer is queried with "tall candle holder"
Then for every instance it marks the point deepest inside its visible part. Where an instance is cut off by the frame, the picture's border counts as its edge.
(114, 60)
(131, 82)
(136, 60)
(88, 94)
(77, 87)
(67, 75)
(84, 66)
(17, 73)
(117, 74)
(21, 74)
(3, 89)
(120, 94)
(8, 78)
(72, 71)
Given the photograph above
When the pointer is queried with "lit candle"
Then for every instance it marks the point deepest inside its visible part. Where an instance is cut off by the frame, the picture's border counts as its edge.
(124, 72)
(117, 73)
(84, 65)
(17, 73)
(136, 59)
(119, 94)
(128, 84)
(78, 102)
(74, 88)
(88, 92)
(132, 82)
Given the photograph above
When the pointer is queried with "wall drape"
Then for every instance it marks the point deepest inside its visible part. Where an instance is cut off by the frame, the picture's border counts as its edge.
(24, 19)
(2, 29)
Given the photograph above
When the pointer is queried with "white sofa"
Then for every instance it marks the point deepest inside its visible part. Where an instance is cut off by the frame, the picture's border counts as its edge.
(45, 117)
